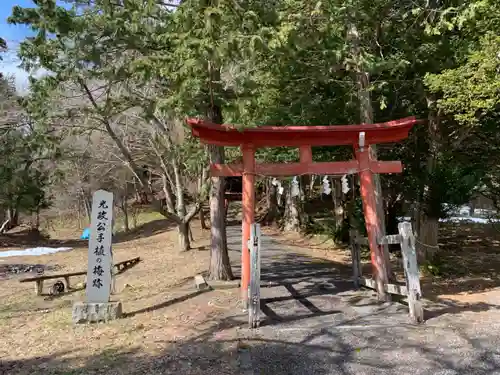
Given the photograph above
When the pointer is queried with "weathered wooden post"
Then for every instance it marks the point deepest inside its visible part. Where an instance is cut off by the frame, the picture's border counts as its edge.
(356, 257)
(411, 272)
(254, 285)
(97, 306)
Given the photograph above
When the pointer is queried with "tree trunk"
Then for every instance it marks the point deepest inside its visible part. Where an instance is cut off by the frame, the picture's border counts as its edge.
(311, 185)
(135, 213)
(191, 237)
(272, 211)
(292, 217)
(123, 206)
(305, 180)
(37, 219)
(338, 207)
(79, 213)
(13, 217)
(428, 237)
(201, 191)
(393, 209)
(167, 190)
(472, 206)
(183, 226)
(220, 267)
(3, 227)
(86, 204)
(201, 216)
(183, 235)
(428, 230)
(88, 209)
(137, 192)
(366, 116)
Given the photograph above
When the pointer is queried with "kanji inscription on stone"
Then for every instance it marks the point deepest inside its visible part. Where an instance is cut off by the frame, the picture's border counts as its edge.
(99, 278)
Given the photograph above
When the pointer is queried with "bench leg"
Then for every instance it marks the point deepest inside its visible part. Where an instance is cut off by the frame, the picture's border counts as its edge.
(38, 287)
(66, 280)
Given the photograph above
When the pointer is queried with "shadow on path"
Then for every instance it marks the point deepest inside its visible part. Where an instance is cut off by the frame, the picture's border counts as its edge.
(328, 351)
(304, 278)
(167, 303)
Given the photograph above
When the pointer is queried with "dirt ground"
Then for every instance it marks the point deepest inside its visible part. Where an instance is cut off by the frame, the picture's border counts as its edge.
(169, 327)
(163, 312)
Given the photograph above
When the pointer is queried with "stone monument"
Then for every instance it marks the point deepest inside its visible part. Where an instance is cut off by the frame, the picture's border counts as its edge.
(97, 306)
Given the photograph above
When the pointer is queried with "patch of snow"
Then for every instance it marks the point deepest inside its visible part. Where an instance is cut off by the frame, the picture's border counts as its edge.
(460, 219)
(484, 212)
(470, 219)
(33, 251)
(464, 211)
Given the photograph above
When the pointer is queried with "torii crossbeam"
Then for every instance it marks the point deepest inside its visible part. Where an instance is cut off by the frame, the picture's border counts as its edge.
(305, 137)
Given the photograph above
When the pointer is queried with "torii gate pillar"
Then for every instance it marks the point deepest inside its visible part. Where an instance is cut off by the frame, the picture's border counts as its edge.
(367, 187)
(248, 216)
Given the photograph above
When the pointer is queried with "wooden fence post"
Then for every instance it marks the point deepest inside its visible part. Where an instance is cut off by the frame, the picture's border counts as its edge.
(356, 257)
(411, 272)
(254, 285)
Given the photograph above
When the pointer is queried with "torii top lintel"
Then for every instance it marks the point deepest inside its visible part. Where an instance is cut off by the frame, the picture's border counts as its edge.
(295, 136)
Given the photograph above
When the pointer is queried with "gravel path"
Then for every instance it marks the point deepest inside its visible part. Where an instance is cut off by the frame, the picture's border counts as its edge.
(315, 323)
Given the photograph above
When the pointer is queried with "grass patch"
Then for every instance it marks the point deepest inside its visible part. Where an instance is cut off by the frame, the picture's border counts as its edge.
(326, 228)
(52, 226)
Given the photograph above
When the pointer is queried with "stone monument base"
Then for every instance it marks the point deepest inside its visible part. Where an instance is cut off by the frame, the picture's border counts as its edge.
(91, 312)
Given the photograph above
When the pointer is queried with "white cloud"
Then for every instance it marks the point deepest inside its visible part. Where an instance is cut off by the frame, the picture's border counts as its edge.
(10, 66)
(20, 75)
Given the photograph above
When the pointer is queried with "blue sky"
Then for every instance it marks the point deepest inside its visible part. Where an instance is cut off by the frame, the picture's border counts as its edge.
(13, 34)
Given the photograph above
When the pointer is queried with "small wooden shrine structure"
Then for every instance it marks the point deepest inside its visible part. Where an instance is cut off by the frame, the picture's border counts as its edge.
(305, 137)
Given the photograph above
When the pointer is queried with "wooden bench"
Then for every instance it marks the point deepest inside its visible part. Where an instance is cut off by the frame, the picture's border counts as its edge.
(126, 264)
(119, 267)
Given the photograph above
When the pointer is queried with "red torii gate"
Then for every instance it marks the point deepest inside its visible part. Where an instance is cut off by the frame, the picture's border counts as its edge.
(304, 137)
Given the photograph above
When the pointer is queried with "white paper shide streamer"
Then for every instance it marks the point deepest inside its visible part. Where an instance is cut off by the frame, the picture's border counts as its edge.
(345, 184)
(326, 186)
(280, 189)
(277, 183)
(295, 191)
